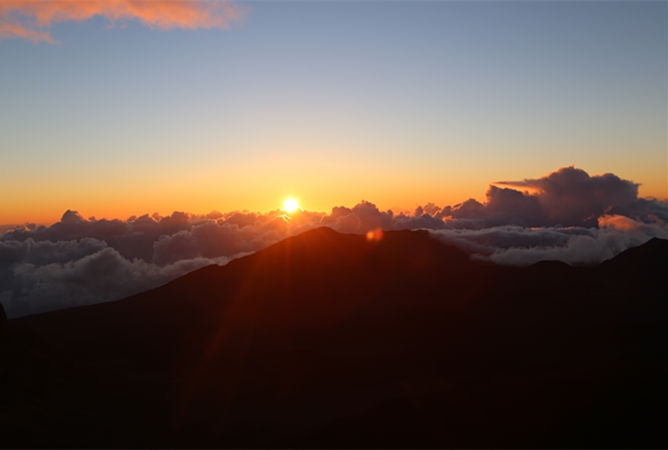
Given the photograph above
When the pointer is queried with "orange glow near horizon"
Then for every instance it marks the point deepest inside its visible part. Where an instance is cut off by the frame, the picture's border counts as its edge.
(44, 206)
(200, 189)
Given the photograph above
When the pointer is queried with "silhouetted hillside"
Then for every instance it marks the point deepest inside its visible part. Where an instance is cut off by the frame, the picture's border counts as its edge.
(329, 340)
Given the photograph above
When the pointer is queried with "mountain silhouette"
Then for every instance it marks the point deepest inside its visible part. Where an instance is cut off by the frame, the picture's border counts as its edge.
(331, 340)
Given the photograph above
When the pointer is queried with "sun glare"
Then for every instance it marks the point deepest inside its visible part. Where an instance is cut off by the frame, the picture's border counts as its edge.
(290, 205)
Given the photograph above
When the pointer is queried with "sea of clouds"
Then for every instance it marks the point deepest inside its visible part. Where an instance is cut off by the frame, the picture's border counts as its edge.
(567, 215)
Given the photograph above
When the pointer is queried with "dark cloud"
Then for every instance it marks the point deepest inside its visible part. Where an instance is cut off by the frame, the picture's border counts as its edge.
(361, 218)
(566, 197)
(566, 215)
(423, 221)
(570, 196)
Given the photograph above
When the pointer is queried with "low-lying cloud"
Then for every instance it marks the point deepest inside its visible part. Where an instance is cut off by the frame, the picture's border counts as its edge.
(567, 215)
(32, 20)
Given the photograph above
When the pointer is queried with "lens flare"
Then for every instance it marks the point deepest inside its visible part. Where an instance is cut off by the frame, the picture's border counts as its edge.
(374, 235)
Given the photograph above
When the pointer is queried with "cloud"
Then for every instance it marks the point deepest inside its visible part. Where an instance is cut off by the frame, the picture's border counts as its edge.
(361, 218)
(96, 277)
(521, 246)
(79, 261)
(571, 197)
(566, 197)
(14, 29)
(32, 19)
(568, 216)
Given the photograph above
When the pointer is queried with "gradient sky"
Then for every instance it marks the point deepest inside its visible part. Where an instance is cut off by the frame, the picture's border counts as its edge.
(399, 103)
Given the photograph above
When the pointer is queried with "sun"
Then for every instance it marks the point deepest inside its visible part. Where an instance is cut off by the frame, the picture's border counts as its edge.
(290, 205)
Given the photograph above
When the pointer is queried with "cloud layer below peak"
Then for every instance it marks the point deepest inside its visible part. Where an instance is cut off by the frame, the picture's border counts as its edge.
(567, 215)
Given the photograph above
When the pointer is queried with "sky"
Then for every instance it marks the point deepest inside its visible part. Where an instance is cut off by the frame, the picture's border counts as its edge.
(117, 109)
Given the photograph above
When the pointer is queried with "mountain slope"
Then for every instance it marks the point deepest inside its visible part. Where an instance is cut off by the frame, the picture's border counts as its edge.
(328, 340)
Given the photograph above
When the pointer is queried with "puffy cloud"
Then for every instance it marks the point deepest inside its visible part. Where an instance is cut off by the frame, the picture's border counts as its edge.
(510, 206)
(570, 196)
(423, 221)
(568, 216)
(80, 261)
(566, 197)
(97, 277)
(361, 218)
(515, 245)
(31, 19)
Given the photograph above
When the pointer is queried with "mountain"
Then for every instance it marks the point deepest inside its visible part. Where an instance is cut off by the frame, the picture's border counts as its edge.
(330, 340)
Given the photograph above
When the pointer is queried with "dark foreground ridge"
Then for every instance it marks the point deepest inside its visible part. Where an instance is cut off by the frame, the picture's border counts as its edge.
(327, 340)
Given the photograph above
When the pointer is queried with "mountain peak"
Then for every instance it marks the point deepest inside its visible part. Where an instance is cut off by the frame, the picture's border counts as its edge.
(333, 340)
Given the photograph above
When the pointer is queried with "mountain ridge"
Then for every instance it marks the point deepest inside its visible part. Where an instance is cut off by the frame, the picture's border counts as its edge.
(332, 340)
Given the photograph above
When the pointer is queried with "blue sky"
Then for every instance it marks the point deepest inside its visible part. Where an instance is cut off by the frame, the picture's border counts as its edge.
(397, 102)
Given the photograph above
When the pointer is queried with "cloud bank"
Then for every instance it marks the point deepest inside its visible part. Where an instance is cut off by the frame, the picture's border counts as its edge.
(32, 19)
(567, 215)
